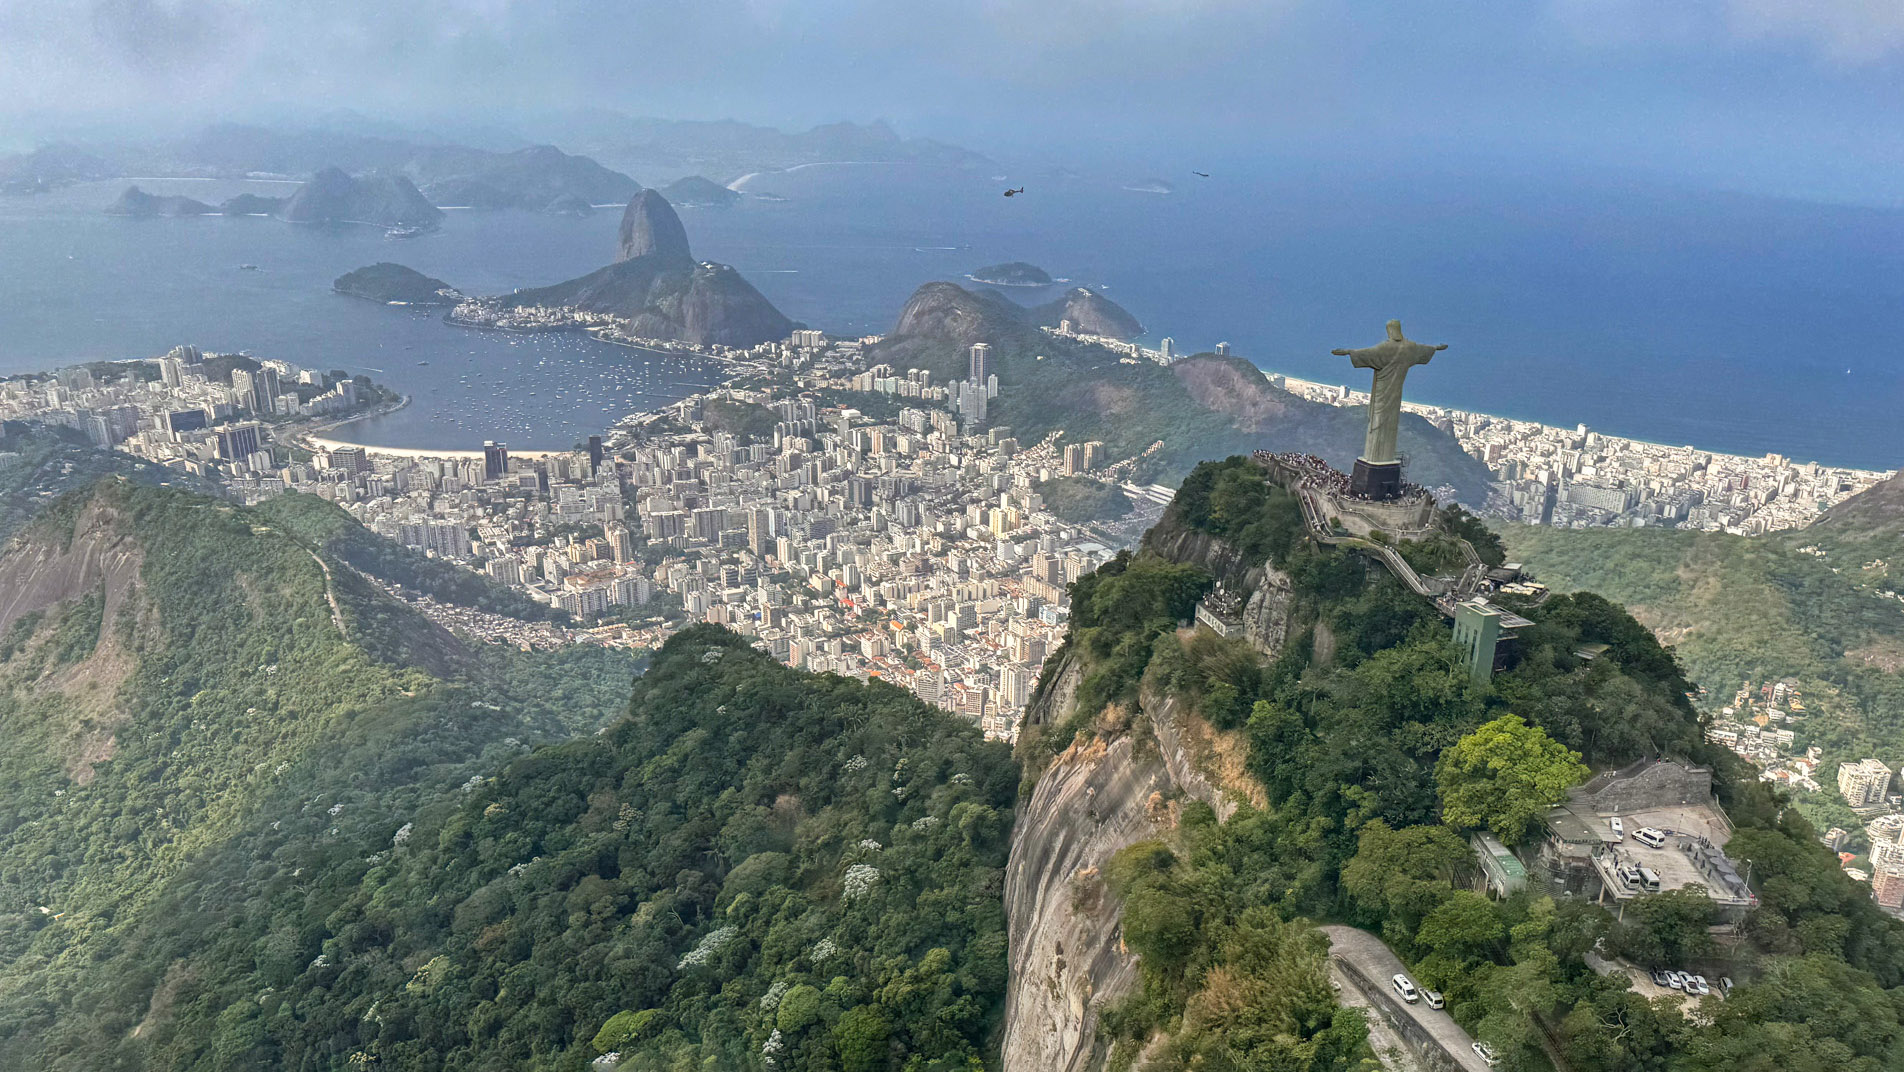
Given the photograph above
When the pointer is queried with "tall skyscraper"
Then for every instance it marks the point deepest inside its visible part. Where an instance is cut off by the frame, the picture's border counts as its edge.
(981, 362)
(594, 454)
(621, 540)
(265, 388)
(495, 459)
(1168, 347)
(244, 390)
(236, 442)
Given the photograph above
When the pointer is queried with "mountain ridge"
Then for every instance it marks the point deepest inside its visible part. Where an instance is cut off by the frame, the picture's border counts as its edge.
(1199, 407)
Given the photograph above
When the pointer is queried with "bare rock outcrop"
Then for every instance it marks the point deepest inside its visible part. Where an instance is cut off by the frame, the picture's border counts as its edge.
(1067, 950)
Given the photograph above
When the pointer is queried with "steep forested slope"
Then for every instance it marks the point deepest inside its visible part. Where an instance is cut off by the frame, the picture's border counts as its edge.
(199, 714)
(1353, 757)
(756, 863)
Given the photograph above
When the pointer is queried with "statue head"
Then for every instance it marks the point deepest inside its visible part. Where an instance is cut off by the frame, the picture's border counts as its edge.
(1395, 331)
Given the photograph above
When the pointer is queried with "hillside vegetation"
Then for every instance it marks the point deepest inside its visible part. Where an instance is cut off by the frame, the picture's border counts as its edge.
(756, 863)
(1818, 605)
(1376, 754)
(202, 714)
(323, 524)
(39, 463)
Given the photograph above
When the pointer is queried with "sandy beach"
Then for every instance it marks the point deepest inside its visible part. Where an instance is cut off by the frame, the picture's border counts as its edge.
(328, 443)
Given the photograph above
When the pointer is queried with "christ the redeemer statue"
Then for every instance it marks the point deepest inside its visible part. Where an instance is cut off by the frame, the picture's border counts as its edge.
(1378, 471)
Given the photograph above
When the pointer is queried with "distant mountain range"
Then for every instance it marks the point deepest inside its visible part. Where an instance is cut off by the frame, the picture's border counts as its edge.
(330, 196)
(532, 176)
(725, 149)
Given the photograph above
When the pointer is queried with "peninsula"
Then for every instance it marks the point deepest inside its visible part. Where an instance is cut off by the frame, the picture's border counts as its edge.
(655, 290)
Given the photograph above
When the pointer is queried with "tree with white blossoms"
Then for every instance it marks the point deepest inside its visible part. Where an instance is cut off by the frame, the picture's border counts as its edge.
(710, 944)
(860, 880)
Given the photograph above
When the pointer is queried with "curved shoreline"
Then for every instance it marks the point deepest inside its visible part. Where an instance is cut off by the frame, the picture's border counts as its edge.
(1003, 283)
(420, 452)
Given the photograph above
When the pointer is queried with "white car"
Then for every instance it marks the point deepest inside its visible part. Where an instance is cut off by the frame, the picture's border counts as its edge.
(1619, 828)
(1405, 988)
(1434, 999)
(1675, 980)
(1486, 1054)
(1696, 984)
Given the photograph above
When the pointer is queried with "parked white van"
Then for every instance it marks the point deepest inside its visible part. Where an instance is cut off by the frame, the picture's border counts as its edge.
(1619, 828)
(1406, 989)
(1650, 837)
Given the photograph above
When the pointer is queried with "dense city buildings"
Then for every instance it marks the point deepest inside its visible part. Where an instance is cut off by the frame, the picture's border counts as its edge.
(203, 414)
(914, 546)
(900, 549)
(1576, 477)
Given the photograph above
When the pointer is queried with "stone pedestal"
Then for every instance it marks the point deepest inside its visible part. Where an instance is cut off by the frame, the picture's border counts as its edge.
(1379, 481)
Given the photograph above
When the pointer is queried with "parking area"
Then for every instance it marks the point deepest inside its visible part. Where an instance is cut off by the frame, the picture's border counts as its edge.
(1436, 1039)
(1692, 855)
(1643, 985)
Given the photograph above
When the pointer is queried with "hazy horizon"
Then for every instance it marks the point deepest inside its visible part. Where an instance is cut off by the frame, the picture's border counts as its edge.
(1732, 94)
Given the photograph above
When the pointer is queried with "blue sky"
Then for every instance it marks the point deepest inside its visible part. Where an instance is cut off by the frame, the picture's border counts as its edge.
(1788, 96)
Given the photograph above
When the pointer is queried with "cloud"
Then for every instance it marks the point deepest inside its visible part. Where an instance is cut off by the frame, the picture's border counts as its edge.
(1845, 31)
(1836, 32)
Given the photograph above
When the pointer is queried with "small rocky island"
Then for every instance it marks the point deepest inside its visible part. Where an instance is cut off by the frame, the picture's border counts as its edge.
(394, 284)
(1012, 274)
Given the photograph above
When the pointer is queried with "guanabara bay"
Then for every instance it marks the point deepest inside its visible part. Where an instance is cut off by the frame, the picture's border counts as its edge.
(960, 537)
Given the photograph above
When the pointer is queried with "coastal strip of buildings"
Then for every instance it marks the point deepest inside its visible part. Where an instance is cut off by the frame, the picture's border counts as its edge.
(1579, 478)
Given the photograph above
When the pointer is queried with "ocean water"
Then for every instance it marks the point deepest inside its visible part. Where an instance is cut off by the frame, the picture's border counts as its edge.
(77, 285)
(1726, 322)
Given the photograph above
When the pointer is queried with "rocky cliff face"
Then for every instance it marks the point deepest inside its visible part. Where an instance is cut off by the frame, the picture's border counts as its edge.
(1121, 784)
(650, 228)
(948, 312)
(1067, 954)
(711, 303)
